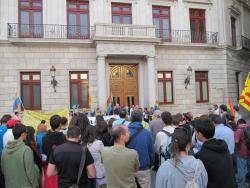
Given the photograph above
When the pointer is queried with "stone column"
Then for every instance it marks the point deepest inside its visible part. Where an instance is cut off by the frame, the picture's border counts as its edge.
(151, 81)
(101, 82)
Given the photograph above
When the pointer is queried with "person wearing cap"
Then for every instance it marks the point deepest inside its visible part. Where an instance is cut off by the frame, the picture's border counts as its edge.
(122, 119)
(157, 124)
(8, 136)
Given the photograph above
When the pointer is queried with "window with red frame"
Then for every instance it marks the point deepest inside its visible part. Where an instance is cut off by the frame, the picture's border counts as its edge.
(197, 25)
(79, 85)
(233, 31)
(78, 19)
(161, 19)
(201, 85)
(121, 13)
(31, 90)
(30, 18)
(165, 87)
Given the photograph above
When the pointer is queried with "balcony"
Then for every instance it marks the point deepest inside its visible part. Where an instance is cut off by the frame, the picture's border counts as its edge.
(126, 32)
(116, 32)
(49, 32)
(187, 37)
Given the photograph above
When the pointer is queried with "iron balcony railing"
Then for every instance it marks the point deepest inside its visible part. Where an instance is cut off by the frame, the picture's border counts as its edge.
(187, 36)
(53, 31)
(49, 31)
(245, 43)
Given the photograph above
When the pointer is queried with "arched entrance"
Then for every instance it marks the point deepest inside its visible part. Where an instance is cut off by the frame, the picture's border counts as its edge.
(124, 84)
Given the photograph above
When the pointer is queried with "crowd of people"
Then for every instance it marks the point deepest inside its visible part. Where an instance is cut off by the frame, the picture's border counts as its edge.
(212, 150)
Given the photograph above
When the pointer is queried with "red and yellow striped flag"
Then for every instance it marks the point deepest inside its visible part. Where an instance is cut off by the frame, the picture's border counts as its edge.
(245, 96)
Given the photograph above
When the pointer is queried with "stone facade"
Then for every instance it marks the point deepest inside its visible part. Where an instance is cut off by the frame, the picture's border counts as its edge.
(151, 54)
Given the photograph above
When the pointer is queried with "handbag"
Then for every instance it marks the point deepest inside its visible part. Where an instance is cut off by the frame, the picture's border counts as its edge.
(81, 167)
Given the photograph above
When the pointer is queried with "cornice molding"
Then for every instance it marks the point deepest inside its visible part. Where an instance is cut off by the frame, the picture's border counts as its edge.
(207, 2)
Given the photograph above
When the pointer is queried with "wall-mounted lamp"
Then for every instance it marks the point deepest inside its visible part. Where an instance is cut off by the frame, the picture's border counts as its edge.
(53, 76)
(189, 73)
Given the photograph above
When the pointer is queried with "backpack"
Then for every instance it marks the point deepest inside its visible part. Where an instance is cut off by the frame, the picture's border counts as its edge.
(247, 136)
(192, 183)
(166, 153)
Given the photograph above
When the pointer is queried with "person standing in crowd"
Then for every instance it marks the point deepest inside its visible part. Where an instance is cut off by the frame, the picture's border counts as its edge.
(142, 142)
(223, 113)
(120, 163)
(65, 160)
(216, 110)
(95, 147)
(182, 168)
(157, 124)
(8, 136)
(31, 142)
(103, 134)
(53, 137)
(64, 125)
(99, 119)
(122, 119)
(178, 120)
(164, 137)
(215, 156)
(242, 139)
(41, 132)
(223, 132)
(3, 129)
(146, 115)
(17, 162)
(237, 113)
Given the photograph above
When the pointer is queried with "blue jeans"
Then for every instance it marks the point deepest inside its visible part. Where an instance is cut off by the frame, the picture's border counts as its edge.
(241, 171)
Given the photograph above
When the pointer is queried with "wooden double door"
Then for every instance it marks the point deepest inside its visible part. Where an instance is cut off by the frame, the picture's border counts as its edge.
(124, 84)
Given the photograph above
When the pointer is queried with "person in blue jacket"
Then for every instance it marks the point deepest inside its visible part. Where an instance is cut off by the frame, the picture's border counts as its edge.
(141, 141)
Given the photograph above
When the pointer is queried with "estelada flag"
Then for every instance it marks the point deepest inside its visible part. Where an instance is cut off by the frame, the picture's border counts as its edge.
(231, 107)
(245, 96)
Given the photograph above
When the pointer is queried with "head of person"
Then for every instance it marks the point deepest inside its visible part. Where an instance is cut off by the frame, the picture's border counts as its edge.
(216, 119)
(81, 121)
(89, 135)
(42, 127)
(136, 116)
(216, 107)
(30, 135)
(223, 108)
(123, 113)
(12, 123)
(236, 108)
(64, 122)
(120, 134)
(43, 122)
(167, 118)
(110, 122)
(241, 122)
(188, 117)
(5, 119)
(74, 134)
(157, 113)
(55, 122)
(204, 129)
(19, 132)
(116, 111)
(181, 143)
(101, 127)
(99, 118)
(177, 120)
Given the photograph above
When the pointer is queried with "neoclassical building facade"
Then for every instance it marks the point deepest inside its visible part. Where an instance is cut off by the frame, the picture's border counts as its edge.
(185, 54)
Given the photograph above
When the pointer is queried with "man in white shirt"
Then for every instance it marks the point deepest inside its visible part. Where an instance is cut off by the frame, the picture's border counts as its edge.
(162, 137)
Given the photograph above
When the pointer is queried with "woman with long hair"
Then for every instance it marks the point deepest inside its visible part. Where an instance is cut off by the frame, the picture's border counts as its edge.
(181, 170)
(95, 147)
(80, 120)
(102, 133)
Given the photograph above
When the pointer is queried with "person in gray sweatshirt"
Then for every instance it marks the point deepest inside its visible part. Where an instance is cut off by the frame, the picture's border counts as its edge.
(181, 169)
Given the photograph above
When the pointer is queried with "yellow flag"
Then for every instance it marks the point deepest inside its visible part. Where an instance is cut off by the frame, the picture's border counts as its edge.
(245, 96)
(34, 118)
